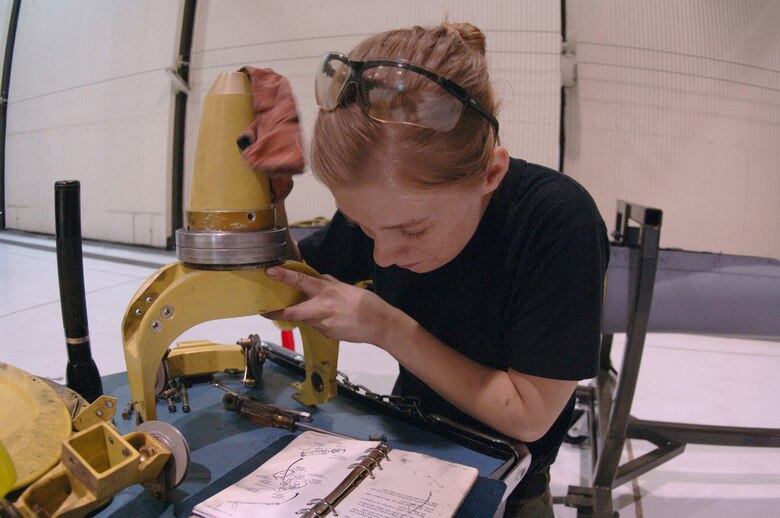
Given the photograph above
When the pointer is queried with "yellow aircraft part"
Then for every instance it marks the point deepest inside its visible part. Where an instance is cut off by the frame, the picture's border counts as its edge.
(177, 297)
(7, 471)
(102, 409)
(226, 194)
(198, 357)
(34, 421)
(96, 464)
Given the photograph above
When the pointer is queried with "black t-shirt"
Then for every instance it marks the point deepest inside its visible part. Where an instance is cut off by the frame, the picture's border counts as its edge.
(524, 293)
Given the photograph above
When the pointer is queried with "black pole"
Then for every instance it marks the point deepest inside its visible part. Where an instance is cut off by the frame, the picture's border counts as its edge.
(179, 122)
(562, 109)
(4, 87)
(81, 373)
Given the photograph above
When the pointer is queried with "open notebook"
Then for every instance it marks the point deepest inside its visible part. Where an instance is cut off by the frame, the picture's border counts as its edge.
(317, 473)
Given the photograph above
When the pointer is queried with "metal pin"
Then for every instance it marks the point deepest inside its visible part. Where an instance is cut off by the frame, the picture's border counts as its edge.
(185, 400)
(171, 406)
(167, 393)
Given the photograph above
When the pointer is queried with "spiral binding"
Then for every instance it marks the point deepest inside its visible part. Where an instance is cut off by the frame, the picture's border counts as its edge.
(314, 502)
(372, 458)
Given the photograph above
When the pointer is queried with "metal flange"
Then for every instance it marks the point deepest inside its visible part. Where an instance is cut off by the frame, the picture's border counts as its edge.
(171, 437)
(230, 248)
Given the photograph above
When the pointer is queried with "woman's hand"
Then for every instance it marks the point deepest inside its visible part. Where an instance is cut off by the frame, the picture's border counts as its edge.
(512, 403)
(339, 311)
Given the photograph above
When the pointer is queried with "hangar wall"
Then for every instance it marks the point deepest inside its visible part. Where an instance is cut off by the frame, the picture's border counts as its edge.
(671, 104)
(677, 106)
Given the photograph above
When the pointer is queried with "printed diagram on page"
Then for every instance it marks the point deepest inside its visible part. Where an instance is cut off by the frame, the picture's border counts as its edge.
(405, 484)
(284, 485)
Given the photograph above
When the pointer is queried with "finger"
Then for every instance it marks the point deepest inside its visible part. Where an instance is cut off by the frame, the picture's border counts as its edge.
(275, 315)
(303, 312)
(281, 186)
(306, 283)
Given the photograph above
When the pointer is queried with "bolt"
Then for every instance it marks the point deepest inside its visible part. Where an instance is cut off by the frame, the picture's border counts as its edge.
(167, 312)
(138, 312)
(185, 406)
(156, 326)
(171, 406)
(149, 299)
(167, 393)
(99, 412)
(128, 411)
(147, 452)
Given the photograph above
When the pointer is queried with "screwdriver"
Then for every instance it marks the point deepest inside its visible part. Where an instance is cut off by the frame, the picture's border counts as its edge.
(267, 415)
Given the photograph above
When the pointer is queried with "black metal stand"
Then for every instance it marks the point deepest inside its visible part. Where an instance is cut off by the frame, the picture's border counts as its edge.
(608, 400)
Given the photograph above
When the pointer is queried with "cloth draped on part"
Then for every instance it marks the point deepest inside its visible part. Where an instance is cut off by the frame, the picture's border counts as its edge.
(272, 144)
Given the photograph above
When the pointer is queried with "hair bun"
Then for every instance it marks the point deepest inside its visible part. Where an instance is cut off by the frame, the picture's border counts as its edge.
(471, 34)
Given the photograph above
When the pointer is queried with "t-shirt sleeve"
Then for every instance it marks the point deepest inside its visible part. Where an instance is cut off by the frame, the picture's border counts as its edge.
(555, 319)
(341, 250)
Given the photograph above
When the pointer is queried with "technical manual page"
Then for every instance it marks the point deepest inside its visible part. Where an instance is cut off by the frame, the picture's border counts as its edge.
(318, 467)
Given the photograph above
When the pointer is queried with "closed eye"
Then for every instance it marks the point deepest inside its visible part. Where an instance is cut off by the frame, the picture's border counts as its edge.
(412, 235)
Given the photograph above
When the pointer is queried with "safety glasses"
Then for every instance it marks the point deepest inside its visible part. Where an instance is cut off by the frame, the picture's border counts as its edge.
(394, 91)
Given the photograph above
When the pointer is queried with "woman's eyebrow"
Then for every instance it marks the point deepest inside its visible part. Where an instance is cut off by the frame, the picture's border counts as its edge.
(407, 224)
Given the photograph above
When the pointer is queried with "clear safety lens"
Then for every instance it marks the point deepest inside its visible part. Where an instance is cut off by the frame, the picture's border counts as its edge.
(332, 76)
(396, 94)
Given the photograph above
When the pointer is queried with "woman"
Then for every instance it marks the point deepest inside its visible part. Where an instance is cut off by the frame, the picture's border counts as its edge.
(488, 271)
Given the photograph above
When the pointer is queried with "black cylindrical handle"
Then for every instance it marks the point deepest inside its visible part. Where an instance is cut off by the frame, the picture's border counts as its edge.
(81, 373)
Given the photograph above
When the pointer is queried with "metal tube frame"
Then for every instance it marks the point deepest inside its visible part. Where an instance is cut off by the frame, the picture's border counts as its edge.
(609, 401)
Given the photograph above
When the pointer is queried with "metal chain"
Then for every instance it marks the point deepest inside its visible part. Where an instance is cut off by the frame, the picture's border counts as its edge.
(407, 404)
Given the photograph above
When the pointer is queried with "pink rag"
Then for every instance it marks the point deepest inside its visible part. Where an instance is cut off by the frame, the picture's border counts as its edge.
(272, 144)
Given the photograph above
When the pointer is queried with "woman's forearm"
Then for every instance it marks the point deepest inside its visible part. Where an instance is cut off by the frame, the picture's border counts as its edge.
(486, 394)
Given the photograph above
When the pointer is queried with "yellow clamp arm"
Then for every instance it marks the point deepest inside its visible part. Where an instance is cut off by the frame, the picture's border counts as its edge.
(178, 297)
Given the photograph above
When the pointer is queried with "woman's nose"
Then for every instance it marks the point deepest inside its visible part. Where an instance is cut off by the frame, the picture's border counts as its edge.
(385, 253)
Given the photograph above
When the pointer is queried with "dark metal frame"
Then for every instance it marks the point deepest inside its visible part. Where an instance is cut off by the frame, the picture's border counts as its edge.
(5, 86)
(179, 122)
(608, 403)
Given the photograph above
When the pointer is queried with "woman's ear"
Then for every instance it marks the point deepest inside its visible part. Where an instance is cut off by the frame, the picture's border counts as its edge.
(497, 169)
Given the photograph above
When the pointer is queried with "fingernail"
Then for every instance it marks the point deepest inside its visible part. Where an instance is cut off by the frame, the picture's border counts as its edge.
(272, 272)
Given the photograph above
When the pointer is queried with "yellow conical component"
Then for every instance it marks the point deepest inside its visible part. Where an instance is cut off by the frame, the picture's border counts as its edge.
(226, 194)
(7, 472)
(34, 420)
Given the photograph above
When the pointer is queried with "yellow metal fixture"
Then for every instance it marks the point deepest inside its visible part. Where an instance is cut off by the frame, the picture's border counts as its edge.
(33, 423)
(97, 463)
(102, 409)
(230, 238)
(199, 357)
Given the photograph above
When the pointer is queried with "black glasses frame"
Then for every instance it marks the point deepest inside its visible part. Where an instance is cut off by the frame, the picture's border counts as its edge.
(451, 87)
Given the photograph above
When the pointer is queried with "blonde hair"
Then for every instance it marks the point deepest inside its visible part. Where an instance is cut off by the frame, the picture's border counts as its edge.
(349, 147)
